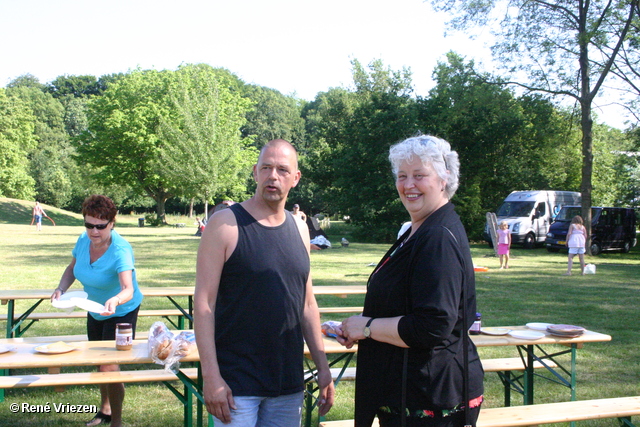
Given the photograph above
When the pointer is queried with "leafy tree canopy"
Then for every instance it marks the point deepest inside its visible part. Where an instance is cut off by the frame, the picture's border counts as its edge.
(17, 141)
(202, 151)
(142, 123)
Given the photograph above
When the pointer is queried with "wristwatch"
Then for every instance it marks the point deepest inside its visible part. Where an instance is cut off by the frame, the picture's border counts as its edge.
(367, 330)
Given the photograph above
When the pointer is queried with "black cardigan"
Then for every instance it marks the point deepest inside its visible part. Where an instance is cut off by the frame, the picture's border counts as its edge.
(422, 280)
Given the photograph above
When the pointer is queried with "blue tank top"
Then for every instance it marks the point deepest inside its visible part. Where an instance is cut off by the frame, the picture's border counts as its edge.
(259, 309)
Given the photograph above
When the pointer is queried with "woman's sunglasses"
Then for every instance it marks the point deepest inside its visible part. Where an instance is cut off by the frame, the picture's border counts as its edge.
(98, 226)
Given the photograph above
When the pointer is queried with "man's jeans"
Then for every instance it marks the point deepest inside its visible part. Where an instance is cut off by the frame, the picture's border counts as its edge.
(281, 411)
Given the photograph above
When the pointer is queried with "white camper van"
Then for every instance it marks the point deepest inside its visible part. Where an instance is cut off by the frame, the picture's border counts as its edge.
(530, 213)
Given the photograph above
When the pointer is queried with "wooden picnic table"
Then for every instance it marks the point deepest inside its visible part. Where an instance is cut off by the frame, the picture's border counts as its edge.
(92, 353)
(15, 323)
(532, 352)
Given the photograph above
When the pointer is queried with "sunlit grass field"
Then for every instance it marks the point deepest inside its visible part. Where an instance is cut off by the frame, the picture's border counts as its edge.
(532, 290)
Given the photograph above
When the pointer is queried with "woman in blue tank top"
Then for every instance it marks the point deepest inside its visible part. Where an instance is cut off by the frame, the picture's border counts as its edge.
(103, 262)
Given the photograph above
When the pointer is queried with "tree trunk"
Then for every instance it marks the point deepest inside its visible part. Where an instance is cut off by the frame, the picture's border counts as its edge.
(160, 211)
(587, 172)
(191, 208)
(586, 124)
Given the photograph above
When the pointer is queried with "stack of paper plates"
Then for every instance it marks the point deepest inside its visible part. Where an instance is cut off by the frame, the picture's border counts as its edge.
(538, 326)
(73, 299)
(526, 335)
(65, 299)
(567, 331)
(495, 331)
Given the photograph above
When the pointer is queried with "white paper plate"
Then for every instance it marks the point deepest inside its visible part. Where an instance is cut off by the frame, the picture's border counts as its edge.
(526, 335)
(495, 331)
(88, 305)
(55, 348)
(538, 326)
(4, 348)
(65, 299)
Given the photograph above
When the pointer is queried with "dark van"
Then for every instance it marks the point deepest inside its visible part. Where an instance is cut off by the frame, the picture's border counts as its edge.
(611, 229)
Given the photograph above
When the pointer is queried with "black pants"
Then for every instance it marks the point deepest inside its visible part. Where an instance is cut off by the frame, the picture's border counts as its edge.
(105, 330)
(455, 420)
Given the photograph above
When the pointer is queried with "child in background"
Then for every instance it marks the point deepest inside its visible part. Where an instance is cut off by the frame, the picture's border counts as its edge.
(504, 243)
(576, 239)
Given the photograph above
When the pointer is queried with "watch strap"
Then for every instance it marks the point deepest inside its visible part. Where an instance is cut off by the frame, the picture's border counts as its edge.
(367, 331)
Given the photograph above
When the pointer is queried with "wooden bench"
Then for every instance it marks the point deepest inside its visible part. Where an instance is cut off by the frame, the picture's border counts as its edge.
(622, 408)
(502, 366)
(330, 310)
(489, 365)
(81, 314)
(87, 378)
(59, 381)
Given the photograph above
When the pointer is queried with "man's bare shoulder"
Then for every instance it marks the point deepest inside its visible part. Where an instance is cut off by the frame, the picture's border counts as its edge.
(304, 232)
(222, 227)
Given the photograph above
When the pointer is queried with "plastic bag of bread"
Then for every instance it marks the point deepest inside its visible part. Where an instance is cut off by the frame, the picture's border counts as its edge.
(167, 349)
(184, 342)
(329, 328)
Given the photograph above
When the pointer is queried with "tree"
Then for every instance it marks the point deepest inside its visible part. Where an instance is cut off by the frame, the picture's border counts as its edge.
(133, 124)
(76, 86)
(356, 130)
(627, 69)
(122, 137)
(202, 152)
(16, 142)
(326, 121)
(504, 142)
(613, 174)
(272, 116)
(552, 41)
(51, 164)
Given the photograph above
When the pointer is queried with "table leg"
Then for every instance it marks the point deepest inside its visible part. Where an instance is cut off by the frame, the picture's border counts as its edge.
(196, 389)
(10, 312)
(311, 384)
(14, 327)
(188, 315)
(3, 372)
(199, 404)
(507, 389)
(573, 376)
(308, 404)
(528, 378)
(573, 371)
(10, 309)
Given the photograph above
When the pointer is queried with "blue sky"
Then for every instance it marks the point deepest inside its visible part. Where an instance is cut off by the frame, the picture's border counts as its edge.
(295, 46)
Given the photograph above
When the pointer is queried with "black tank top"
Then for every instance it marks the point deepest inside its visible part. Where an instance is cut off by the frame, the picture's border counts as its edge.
(259, 309)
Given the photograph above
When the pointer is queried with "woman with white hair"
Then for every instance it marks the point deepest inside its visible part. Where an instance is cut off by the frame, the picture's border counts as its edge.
(416, 363)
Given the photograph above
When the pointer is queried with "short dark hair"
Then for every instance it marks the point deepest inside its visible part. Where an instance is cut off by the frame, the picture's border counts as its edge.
(99, 206)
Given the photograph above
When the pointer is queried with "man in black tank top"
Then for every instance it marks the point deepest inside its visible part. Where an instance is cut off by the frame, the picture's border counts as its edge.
(254, 304)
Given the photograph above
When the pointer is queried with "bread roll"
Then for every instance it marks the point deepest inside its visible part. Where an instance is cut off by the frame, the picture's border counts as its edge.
(163, 350)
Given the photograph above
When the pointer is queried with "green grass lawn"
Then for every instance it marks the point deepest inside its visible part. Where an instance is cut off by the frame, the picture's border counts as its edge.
(532, 290)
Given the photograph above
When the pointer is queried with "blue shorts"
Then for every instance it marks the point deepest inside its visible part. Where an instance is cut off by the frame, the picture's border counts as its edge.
(38, 219)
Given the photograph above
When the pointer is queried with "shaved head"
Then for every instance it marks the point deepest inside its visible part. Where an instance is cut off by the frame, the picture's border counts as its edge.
(277, 143)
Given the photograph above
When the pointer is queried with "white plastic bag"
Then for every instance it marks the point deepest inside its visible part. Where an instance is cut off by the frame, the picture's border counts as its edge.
(165, 348)
(590, 269)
